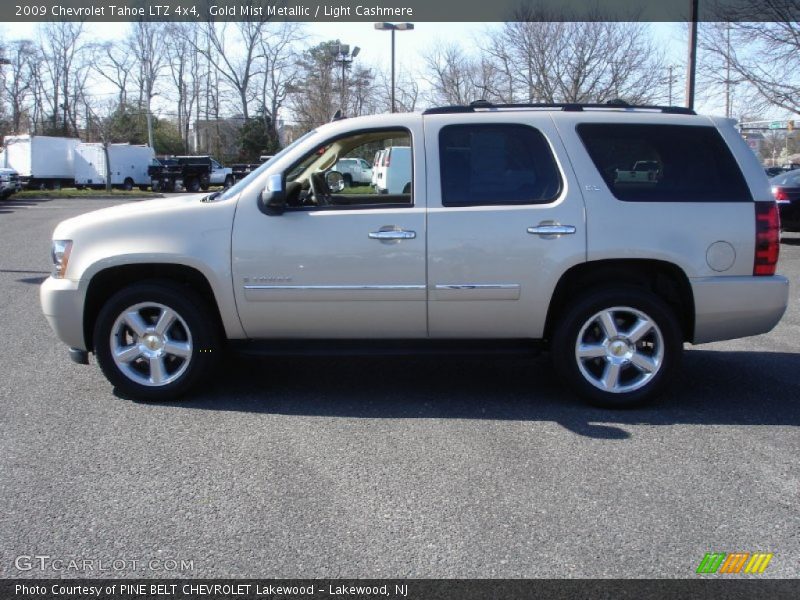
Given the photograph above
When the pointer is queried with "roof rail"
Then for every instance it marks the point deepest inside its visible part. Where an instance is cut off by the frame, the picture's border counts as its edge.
(616, 104)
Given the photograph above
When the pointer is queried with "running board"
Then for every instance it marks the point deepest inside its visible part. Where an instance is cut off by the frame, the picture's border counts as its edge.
(384, 347)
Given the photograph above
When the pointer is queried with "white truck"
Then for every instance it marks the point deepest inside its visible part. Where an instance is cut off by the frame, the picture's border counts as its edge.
(356, 171)
(128, 165)
(41, 161)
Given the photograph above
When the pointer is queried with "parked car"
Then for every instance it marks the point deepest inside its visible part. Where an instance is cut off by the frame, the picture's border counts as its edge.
(9, 183)
(354, 171)
(513, 234)
(786, 189)
(774, 171)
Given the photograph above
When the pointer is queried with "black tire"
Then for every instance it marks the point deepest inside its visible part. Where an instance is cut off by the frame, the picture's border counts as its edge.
(204, 186)
(127, 185)
(577, 323)
(195, 318)
(143, 188)
(193, 185)
(228, 182)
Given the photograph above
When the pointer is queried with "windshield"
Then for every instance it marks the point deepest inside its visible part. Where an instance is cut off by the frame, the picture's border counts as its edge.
(243, 183)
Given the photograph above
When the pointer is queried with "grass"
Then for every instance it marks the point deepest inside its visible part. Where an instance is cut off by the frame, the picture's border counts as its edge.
(357, 189)
(85, 193)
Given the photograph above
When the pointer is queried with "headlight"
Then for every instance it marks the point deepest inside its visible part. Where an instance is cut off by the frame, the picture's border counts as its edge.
(59, 252)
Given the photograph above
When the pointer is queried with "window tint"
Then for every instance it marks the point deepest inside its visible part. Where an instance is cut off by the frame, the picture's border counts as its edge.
(496, 164)
(664, 163)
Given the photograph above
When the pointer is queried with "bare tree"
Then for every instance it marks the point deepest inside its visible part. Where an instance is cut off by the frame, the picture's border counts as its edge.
(185, 73)
(237, 67)
(62, 52)
(147, 43)
(19, 82)
(761, 57)
(115, 64)
(565, 61)
(278, 52)
(450, 73)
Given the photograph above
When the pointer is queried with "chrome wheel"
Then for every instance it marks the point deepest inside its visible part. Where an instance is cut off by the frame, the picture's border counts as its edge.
(619, 349)
(151, 344)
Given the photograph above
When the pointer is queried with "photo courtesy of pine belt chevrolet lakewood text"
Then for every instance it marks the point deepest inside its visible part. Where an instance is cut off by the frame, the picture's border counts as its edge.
(608, 235)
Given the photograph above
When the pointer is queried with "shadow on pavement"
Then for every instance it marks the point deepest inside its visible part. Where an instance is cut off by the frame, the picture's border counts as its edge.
(713, 388)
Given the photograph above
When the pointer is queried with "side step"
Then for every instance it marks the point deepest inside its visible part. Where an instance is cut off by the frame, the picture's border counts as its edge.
(384, 347)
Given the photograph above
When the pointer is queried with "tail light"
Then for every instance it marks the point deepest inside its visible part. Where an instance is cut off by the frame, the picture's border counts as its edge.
(780, 195)
(387, 159)
(768, 238)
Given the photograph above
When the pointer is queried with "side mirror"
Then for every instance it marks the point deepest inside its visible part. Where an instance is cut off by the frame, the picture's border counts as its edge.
(273, 198)
(335, 181)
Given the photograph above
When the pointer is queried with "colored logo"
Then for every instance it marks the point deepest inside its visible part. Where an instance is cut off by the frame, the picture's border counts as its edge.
(734, 562)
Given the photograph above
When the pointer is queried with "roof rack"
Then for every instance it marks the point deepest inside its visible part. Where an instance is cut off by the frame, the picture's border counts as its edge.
(478, 105)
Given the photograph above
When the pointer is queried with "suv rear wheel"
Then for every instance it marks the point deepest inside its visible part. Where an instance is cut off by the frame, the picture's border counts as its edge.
(155, 340)
(617, 347)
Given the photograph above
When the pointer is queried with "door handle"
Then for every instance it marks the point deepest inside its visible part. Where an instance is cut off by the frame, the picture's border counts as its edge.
(392, 234)
(552, 229)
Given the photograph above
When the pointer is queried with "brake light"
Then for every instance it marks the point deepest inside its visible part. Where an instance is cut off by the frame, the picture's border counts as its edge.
(768, 238)
(780, 195)
(387, 159)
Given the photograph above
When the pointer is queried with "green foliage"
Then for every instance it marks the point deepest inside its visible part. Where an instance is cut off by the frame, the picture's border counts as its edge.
(128, 123)
(257, 137)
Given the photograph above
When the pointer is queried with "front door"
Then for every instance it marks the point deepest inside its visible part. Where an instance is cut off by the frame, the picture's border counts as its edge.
(352, 266)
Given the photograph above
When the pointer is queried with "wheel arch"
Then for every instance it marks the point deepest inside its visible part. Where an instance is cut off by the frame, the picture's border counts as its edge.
(108, 281)
(666, 279)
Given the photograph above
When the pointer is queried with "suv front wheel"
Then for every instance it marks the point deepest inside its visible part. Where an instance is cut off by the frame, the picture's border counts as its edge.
(617, 347)
(155, 340)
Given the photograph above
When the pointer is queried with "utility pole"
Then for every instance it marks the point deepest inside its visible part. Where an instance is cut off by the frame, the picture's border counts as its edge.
(728, 71)
(692, 67)
(671, 81)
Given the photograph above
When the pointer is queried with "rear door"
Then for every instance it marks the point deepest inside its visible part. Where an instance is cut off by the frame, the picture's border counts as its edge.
(506, 219)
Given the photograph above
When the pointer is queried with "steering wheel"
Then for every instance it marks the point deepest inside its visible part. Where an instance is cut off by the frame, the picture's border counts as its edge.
(319, 187)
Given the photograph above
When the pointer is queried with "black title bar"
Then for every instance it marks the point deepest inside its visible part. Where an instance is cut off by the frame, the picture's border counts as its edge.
(395, 10)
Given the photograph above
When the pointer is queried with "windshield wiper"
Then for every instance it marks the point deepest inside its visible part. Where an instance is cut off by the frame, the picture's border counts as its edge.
(210, 197)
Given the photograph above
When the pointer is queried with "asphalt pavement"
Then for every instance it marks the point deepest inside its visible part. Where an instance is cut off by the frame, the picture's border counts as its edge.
(386, 467)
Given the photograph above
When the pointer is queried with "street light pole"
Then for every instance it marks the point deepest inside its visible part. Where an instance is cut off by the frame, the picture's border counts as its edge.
(342, 54)
(393, 27)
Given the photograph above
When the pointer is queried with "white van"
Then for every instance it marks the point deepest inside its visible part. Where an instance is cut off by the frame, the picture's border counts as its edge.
(394, 173)
(128, 165)
(376, 164)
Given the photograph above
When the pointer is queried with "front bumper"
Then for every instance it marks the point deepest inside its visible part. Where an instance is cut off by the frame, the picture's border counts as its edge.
(9, 187)
(735, 307)
(62, 304)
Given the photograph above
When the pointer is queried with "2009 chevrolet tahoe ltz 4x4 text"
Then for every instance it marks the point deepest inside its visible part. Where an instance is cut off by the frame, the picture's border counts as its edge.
(609, 234)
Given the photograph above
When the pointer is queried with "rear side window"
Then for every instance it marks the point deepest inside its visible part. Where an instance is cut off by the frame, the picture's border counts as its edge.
(487, 165)
(664, 163)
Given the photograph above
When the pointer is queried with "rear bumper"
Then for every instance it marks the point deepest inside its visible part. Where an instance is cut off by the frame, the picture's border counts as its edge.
(734, 307)
(62, 304)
